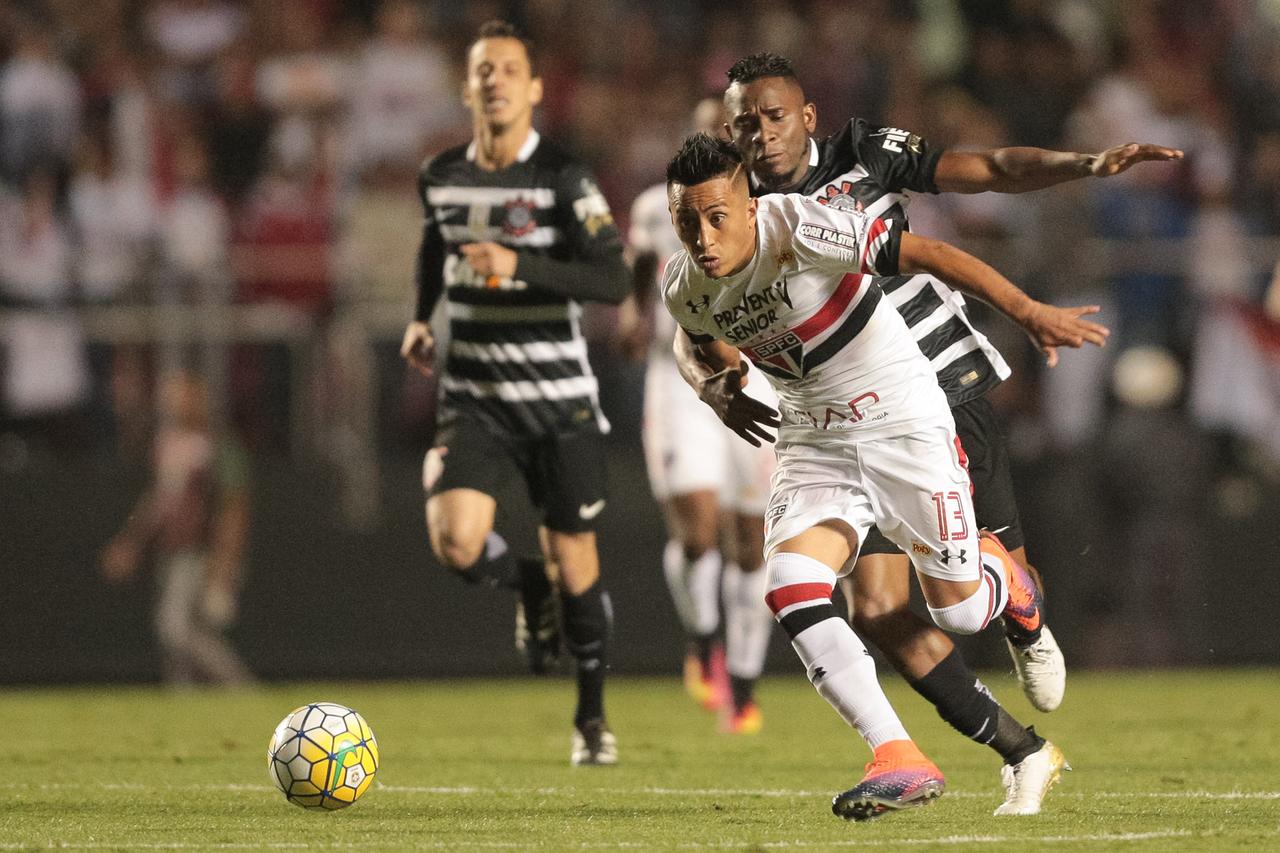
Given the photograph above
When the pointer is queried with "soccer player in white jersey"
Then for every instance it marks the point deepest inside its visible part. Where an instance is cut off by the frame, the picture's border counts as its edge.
(865, 434)
(707, 482)
(865, 167)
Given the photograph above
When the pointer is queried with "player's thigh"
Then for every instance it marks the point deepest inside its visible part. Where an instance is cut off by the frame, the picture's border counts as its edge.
(693, 520)
(923, 504)
(573, 558)
(567, 480)
(817, 482)
(685, 445)
(461, 475)
(995, 505)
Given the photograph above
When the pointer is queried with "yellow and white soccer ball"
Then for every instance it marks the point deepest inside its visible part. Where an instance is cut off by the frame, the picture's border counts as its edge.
(323, 756)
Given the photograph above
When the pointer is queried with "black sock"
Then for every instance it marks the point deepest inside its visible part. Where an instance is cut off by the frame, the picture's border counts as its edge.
(586, 630)
(743, 691)
(702, 647)
(497, 567)
(968, 706)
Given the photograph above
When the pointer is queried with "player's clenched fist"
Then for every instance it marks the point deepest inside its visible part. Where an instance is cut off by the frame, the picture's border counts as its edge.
(744, 415)
(419, 347)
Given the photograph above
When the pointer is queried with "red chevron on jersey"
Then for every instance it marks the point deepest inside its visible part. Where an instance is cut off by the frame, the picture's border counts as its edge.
(834, 307)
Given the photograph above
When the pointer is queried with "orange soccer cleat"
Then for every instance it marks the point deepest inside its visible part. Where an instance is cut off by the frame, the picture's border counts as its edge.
(897, 778)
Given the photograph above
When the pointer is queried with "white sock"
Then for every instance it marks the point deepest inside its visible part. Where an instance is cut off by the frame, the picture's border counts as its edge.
(695, 588)
(835, 659)
(976, 612)
(748, 623)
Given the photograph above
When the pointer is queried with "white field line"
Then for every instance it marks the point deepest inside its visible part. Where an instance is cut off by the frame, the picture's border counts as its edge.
(1106, 837)
(782, 793)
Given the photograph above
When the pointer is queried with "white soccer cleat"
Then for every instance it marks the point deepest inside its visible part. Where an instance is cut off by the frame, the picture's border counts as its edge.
(593, 744)
(1042, 671)
(1026, 783)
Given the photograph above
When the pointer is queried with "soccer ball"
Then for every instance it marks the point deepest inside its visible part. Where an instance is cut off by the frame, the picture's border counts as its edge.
(323, 756)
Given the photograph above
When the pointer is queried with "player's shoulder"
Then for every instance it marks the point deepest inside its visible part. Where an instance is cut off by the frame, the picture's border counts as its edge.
(678, 281)
(819, 231)
(553, 155)
(440, 167)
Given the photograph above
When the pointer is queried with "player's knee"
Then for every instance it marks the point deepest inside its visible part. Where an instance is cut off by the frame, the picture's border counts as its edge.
(879, 618)
(967, 617)
(457, 553)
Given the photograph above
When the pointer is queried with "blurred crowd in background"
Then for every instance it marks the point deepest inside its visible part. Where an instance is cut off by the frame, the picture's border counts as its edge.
(206, 156)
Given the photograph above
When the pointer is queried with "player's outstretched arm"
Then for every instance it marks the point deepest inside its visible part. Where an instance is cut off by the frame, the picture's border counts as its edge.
(1019, 170)
(717, 374)
(1048, 325)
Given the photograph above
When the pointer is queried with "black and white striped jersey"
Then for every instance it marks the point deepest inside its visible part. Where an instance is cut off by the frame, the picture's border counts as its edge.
(868, 168)
(516, 356)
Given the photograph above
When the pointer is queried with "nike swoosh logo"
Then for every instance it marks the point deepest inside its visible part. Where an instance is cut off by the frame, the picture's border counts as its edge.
(589, 511)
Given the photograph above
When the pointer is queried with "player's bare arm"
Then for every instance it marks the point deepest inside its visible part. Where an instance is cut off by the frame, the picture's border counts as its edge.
(1048, 325)
(717, 374)
(1021, 169)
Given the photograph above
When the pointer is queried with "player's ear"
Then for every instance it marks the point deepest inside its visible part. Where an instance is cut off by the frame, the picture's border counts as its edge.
(535, 91)
(752, 204)
(810, 114)
(465, 91)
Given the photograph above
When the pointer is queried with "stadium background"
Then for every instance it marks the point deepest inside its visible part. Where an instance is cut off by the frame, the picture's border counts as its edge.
(257, 162)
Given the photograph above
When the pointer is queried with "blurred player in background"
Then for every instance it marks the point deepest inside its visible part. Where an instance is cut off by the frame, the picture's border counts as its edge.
(866, 436)
(868, 168)
(516, 234)
(196, 515)
(708, 483)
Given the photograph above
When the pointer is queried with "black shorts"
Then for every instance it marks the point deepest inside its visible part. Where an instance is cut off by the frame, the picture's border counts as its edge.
(993, 501)
(565, 473)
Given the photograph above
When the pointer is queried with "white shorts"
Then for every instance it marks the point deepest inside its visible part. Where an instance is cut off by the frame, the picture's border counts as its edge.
(913, 487)
(687, 449)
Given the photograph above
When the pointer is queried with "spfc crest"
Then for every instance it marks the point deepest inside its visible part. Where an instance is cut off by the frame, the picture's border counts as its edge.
(519, 221)
(784, 354)
(840, 197)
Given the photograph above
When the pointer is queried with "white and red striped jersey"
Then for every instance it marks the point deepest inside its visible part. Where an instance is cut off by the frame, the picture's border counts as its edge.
(809, 314)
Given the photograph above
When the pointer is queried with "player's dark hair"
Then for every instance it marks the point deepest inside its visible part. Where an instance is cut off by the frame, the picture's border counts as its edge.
(499, 29)
(701, 158)
(759, 65)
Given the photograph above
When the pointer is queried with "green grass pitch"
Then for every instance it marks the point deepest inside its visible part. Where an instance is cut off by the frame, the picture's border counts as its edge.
(1163, 761)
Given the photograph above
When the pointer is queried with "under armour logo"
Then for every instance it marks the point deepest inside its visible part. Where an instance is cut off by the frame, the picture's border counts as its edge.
(948, 555)
(818, 674)
(702, 302)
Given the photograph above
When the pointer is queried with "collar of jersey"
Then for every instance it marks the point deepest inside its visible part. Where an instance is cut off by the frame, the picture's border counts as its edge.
(813, 160)
(525, 152)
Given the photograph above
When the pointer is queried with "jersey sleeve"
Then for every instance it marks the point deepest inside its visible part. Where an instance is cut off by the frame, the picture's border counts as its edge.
(429, 266)
(895, 159)
(591, 267)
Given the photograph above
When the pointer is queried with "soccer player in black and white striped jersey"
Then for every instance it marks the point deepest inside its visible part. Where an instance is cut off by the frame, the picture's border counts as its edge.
(517, 233)
(870, 169)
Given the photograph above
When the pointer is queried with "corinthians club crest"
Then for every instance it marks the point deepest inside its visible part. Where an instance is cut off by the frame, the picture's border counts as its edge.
(840, 197)
(519, 221)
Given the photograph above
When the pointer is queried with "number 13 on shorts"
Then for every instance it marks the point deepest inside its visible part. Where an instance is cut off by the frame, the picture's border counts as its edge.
(953, 525)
